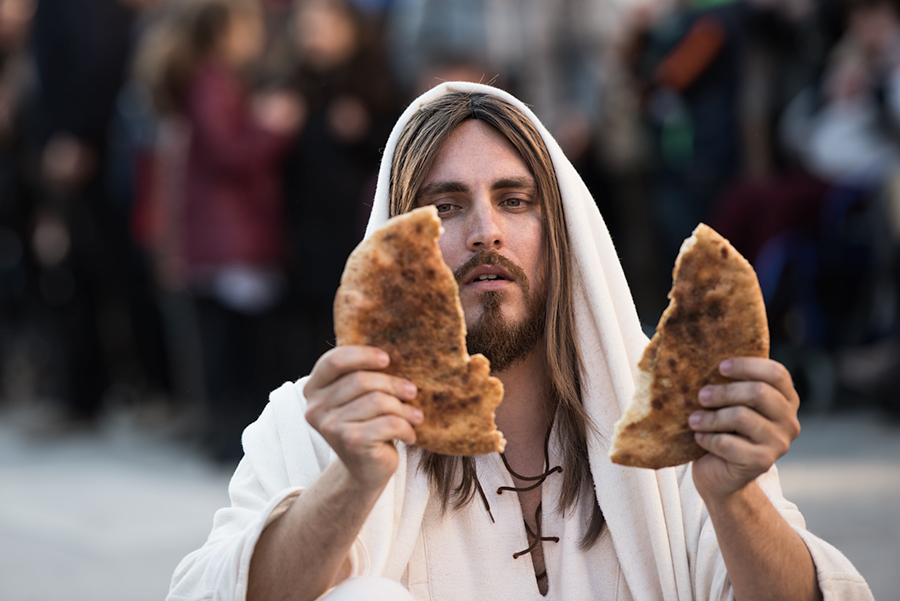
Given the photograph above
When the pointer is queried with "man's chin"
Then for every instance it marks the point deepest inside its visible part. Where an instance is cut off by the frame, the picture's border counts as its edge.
(500, 305)
(504, 342)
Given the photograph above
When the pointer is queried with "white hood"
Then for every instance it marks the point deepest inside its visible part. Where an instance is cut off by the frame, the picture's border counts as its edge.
(611, 342)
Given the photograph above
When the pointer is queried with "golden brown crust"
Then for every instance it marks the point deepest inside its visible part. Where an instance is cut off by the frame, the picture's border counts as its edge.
(397, 294)
(716, 311)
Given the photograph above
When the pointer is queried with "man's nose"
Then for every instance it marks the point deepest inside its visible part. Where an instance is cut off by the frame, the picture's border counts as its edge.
(486, 230)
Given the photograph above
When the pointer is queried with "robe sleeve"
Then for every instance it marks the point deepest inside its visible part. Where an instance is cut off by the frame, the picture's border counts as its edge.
(280, 461)
(838, 579)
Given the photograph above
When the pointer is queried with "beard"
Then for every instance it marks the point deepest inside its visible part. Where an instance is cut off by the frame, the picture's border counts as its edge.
(506, 343)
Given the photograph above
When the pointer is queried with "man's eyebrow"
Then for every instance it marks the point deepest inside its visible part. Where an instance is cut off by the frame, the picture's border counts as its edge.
(513, 182)
(437, 188)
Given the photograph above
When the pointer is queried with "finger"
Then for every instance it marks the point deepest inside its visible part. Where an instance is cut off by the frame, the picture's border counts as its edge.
(761, 397)
(342, 360)
(762, 370)
(358, 437)
(744, 422)
(376, 404)
(737, 451)
(395, 428)
(356, 384)
(756, 394)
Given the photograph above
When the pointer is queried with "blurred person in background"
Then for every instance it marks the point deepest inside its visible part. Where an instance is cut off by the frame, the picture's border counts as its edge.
(557, 56)
(554, 54)
(785, 53)
(229, 245)
(78, 238)
(688, 60)
(16, 83)
(131, 131)
(848, 128)
(818, 226)
(715, 77)
(350, 104)
(837, 137)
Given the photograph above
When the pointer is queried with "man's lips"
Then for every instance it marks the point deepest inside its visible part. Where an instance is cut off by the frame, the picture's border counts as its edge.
(488, 274)
(490, 271)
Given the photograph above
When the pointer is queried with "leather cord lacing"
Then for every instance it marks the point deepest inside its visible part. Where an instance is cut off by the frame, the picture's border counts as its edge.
(540, 479)
(535, 538)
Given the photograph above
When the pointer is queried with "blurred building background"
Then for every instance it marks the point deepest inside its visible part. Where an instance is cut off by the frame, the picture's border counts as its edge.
(181, 182)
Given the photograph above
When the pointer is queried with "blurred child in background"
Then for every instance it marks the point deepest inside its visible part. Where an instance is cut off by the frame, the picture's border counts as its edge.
(229, 247)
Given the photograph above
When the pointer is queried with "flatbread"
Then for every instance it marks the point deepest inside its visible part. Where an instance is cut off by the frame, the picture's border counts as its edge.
(715, 312)
(397, 294)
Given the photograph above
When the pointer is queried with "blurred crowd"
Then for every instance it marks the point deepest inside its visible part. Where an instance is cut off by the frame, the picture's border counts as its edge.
(181, 181)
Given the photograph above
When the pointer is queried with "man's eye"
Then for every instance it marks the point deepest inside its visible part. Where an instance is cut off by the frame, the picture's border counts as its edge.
(514, 202)
(443, 207)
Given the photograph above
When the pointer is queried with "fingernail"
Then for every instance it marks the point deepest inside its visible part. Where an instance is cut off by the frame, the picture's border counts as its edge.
(705, 395)
(418, 416)
(410, 389)
(695, 418)
(725, 366)
(384, 358)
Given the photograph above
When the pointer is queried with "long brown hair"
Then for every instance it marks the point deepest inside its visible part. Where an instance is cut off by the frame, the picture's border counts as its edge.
(455, 478)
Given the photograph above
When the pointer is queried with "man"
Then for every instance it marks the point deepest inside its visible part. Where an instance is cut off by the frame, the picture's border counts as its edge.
(349, 495)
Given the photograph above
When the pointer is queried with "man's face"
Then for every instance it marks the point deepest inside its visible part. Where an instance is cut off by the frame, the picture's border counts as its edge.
(487, 199)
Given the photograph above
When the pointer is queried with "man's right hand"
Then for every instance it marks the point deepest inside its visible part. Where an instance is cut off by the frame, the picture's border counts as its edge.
(360, 411)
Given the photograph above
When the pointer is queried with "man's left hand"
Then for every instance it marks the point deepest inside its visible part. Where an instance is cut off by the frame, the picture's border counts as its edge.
(746, 425)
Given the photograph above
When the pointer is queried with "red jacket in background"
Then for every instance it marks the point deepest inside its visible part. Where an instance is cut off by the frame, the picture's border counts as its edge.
(232, 181)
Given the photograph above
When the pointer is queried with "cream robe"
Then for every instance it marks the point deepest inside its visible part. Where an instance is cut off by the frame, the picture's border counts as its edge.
(660, 532)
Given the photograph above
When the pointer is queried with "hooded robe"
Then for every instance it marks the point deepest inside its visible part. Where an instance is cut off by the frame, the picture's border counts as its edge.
(658, 543)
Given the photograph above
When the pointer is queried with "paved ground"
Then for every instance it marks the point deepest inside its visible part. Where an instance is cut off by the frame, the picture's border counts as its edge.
(844, 475)
(108, 515)
(102, 516)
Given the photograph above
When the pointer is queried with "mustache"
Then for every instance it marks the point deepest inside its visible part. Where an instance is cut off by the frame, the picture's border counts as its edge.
(492, 257)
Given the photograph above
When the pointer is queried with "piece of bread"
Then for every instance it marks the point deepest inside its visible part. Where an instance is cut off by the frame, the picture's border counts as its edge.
(397, 294)
(715, 312)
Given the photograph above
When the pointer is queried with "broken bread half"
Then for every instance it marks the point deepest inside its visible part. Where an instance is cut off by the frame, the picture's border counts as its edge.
(397, 294)
(716, 311)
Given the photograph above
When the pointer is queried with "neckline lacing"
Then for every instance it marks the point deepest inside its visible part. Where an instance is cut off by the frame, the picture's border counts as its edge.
(535, 537)
(538, 480)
